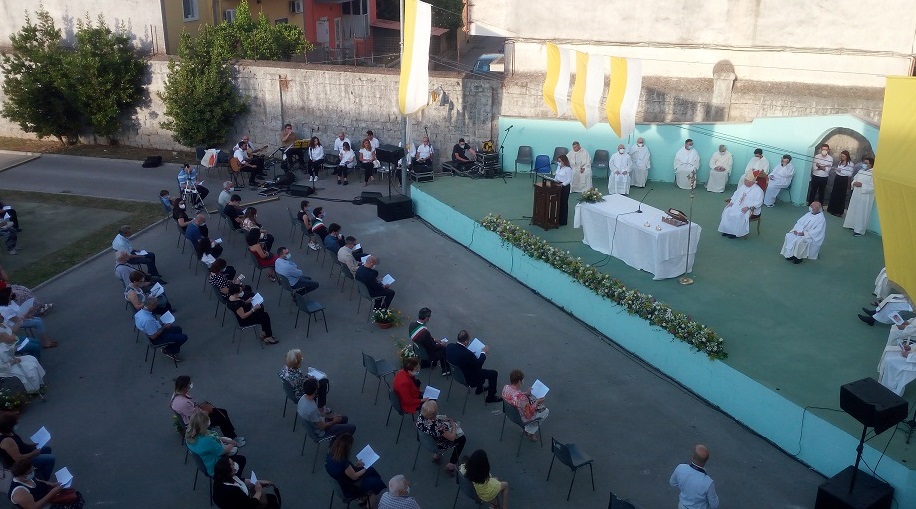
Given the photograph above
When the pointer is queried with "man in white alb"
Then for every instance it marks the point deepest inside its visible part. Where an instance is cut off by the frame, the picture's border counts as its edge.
(581, 163)
(780, 178)
(757, 165)
(639, 172)
(862, 201)
(339, 141)
(720, 166)
(892, 305)
(686, 163)
(697, 489)
(806, 237)
(745, 202)
(620, 167)
(897, 366)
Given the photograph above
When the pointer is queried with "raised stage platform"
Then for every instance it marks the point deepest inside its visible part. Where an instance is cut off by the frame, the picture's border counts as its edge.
(791, 330)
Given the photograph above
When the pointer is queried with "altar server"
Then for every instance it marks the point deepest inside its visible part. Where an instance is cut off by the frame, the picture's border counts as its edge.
(640, 155)
(862, 201)
(686, 163)
(758, 164)
(720, 166)
(581, 163)
(621, 165)
(745, 201)
(780, 178)
(807, 236)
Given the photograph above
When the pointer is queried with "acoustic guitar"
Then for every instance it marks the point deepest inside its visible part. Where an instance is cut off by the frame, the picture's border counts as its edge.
(235, 166)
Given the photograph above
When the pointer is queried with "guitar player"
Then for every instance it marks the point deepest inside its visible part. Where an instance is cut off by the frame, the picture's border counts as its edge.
(249, 160)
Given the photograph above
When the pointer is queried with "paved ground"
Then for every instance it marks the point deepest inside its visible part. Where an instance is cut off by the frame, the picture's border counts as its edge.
(10, 159)
(112, 427)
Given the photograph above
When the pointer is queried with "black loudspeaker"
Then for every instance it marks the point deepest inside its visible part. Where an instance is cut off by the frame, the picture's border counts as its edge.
(872, 404)
(616, 503)
(395, 208)
(869, 493)
(389, 154)
(370, 197)
(301, 190)
(152, 162)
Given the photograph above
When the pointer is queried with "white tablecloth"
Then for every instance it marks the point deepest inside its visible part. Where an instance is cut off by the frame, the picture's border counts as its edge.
(611, 227)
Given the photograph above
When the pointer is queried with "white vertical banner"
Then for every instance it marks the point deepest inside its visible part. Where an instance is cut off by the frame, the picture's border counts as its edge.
(413, 89)
(588, 88)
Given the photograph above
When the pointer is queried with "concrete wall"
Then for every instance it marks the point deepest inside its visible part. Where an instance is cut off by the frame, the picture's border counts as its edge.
(142, 18)
(821, 41)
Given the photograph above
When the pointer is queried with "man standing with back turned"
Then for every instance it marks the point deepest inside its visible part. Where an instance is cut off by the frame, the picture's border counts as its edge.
(698, 491)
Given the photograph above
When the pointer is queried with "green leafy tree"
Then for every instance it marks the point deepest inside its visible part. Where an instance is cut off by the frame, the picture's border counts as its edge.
(201, 100)
(447, 13)
(39, 94)
(107, 75)
(261, 40)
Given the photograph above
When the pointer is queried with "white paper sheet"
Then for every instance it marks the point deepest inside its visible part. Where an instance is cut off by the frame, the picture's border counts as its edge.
(431, 393)
(218, 241)
(367, 456)
(64, 477)
(477, 347)
(257, 299)
(538, 389)
(253, 478)
(207, 259)
(317, 374)
(22, 344)
(168, 317)
(142, 252)
(387, 280)
(156, 290)
(363, 259)
(357, 247)
(26, 307)
(41, 437)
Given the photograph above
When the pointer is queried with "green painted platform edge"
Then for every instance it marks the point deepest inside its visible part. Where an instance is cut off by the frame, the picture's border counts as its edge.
(823, 446)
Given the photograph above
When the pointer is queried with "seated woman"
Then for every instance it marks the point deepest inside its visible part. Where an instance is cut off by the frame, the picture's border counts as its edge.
(13, 448)
(24, 367)
(10, 311)
(247, 314)
(334, 239)
(23, 294)
(28, 492)
(135, 294)
(367, 160)
(292, 375)
(205, 246)
(347, 163)
(230, 492)
(446, 431)
(354, 480)
(263, 256)
(209, 446)
(529, 407)
(477, 470)
(184, 405)
(304, 217)
(220, 276)
(179, 214)
(250, 221)
(25, 346)
(407, 385)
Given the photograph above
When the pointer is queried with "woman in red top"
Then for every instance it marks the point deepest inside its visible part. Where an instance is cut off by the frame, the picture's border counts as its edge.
(407, 385)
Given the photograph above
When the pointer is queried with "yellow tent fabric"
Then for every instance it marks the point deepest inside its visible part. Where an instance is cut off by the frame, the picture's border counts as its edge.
(895, 181)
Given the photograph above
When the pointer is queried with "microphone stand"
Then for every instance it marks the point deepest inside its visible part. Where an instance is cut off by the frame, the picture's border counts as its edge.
(685, 279)
(502, 153)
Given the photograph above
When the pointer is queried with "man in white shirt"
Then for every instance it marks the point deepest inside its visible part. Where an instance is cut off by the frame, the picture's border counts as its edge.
(340, 140)
(820, 171)
(757, 165)
(720, 166)
(284, 266)
(226, 194)
(345, 254)
(240, 153)
(423, 156)
(620, 166)
(806, 237)
(373, 141)
(581, 163)
(745, 202)
(780, 178)
(686, 164)
(697, 489)
(640, 154)
(121, 242)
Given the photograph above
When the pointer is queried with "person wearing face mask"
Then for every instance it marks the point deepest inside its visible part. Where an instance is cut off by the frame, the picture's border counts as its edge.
(686, 164)
(183, 404)
(406, 385)
(285, 267)
(620, 167)
(862, 201)
(844, 170)
(720, 168)
(367, 275)
(581, 163)
(820, 171)
(806, 237)
(190, 184)
(641, 156)
(398, 495)
(208, 445)
(565, 176)
(226, 194)
(231, 492)
(247, 313)
(13, 448)
(757, 165)
(460, 156)
(745, 202)
(197, 231)
(28, 492)
(780, 178)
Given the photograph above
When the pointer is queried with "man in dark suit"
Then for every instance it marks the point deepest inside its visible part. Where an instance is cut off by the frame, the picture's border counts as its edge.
(458, 355)
(367, 275)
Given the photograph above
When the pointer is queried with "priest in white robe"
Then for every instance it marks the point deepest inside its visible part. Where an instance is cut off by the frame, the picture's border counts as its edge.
(745, 201)
(897, 366)
(780, 178)
(639, 172)
(807, 236)
(720, 168)
(581, 163)
(882, 286)
(862, 201)
(686, 164)
(620, 167)
(887, 310)
(758, 164)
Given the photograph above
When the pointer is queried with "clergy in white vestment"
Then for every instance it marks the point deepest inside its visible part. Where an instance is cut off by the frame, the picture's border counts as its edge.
(887, 310)
(640, 155)
(897, 366)
(780, 178)
(581, 163)
(807, 236)
(758, 164)
(720, 167)
(882, 287)
(736, 216)
(862, 201)
(620, 167)
(686, 163)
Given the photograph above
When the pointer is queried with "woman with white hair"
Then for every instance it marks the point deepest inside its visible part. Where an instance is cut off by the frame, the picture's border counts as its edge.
(292, 375)
(445, 430)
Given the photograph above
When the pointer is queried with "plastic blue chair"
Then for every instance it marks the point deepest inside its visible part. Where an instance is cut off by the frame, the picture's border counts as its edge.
(541, 166)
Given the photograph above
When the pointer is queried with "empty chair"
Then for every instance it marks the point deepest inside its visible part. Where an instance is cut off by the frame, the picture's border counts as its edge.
(310, 308)
(513, 414)
(289, 395)
(155, 348)
(423, 355)
(602, 160)
(337, 491)
(525, 156)
(572, 457)
(458, 376)
(396, 406)
(541, 166)
(557, 152)
(180, 425)
(310, 433)
(379, 369)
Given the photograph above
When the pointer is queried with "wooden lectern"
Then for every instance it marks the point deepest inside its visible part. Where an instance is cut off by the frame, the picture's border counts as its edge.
(547, 195)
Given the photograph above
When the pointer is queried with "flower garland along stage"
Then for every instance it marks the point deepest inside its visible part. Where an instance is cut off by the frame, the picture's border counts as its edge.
(678, 324)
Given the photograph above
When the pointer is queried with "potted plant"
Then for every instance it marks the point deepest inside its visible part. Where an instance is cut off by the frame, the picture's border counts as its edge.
(387, 318)
(406, 350)
(13, 401)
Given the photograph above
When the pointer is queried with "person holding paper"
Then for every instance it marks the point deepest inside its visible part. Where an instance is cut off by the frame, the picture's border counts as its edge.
(250, 314)
(293, 375)
(367, 275)
(123, 271)
(334, 240)
(406, 385)
(231, 492)
(28, 492)
(354, 480)
(21, 294)
(8, 210)
(25, 346)
(897, 367)
(208, 250)
(135, 294)
(14, 315)
(487, 487)
(13, 448)
(250, 222)
(445, 430)
(197, 230)
(398, 495)
(348, 254)
(209, 446)
(183, 404)
(530, 407)
(458, 355)
(158, 332)
(261, 255)
(304, 217)
(233, 211)
(122, 243)
(564, 175)
(434, 348)
(10, 232)
(226, 194)
(221, 275)
(298, 281)
(325, 424)
(893, 303)
(180, 214)
(24, 367)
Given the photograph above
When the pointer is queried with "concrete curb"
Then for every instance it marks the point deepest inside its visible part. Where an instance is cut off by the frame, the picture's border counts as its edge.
(30, 156)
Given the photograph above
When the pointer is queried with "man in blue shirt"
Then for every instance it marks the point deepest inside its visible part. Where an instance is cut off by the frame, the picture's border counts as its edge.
(285, 267)
(196, 230)
(158, 332)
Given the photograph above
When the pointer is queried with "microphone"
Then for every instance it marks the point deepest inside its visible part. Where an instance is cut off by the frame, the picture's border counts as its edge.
(510, 127)
(639, 209)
